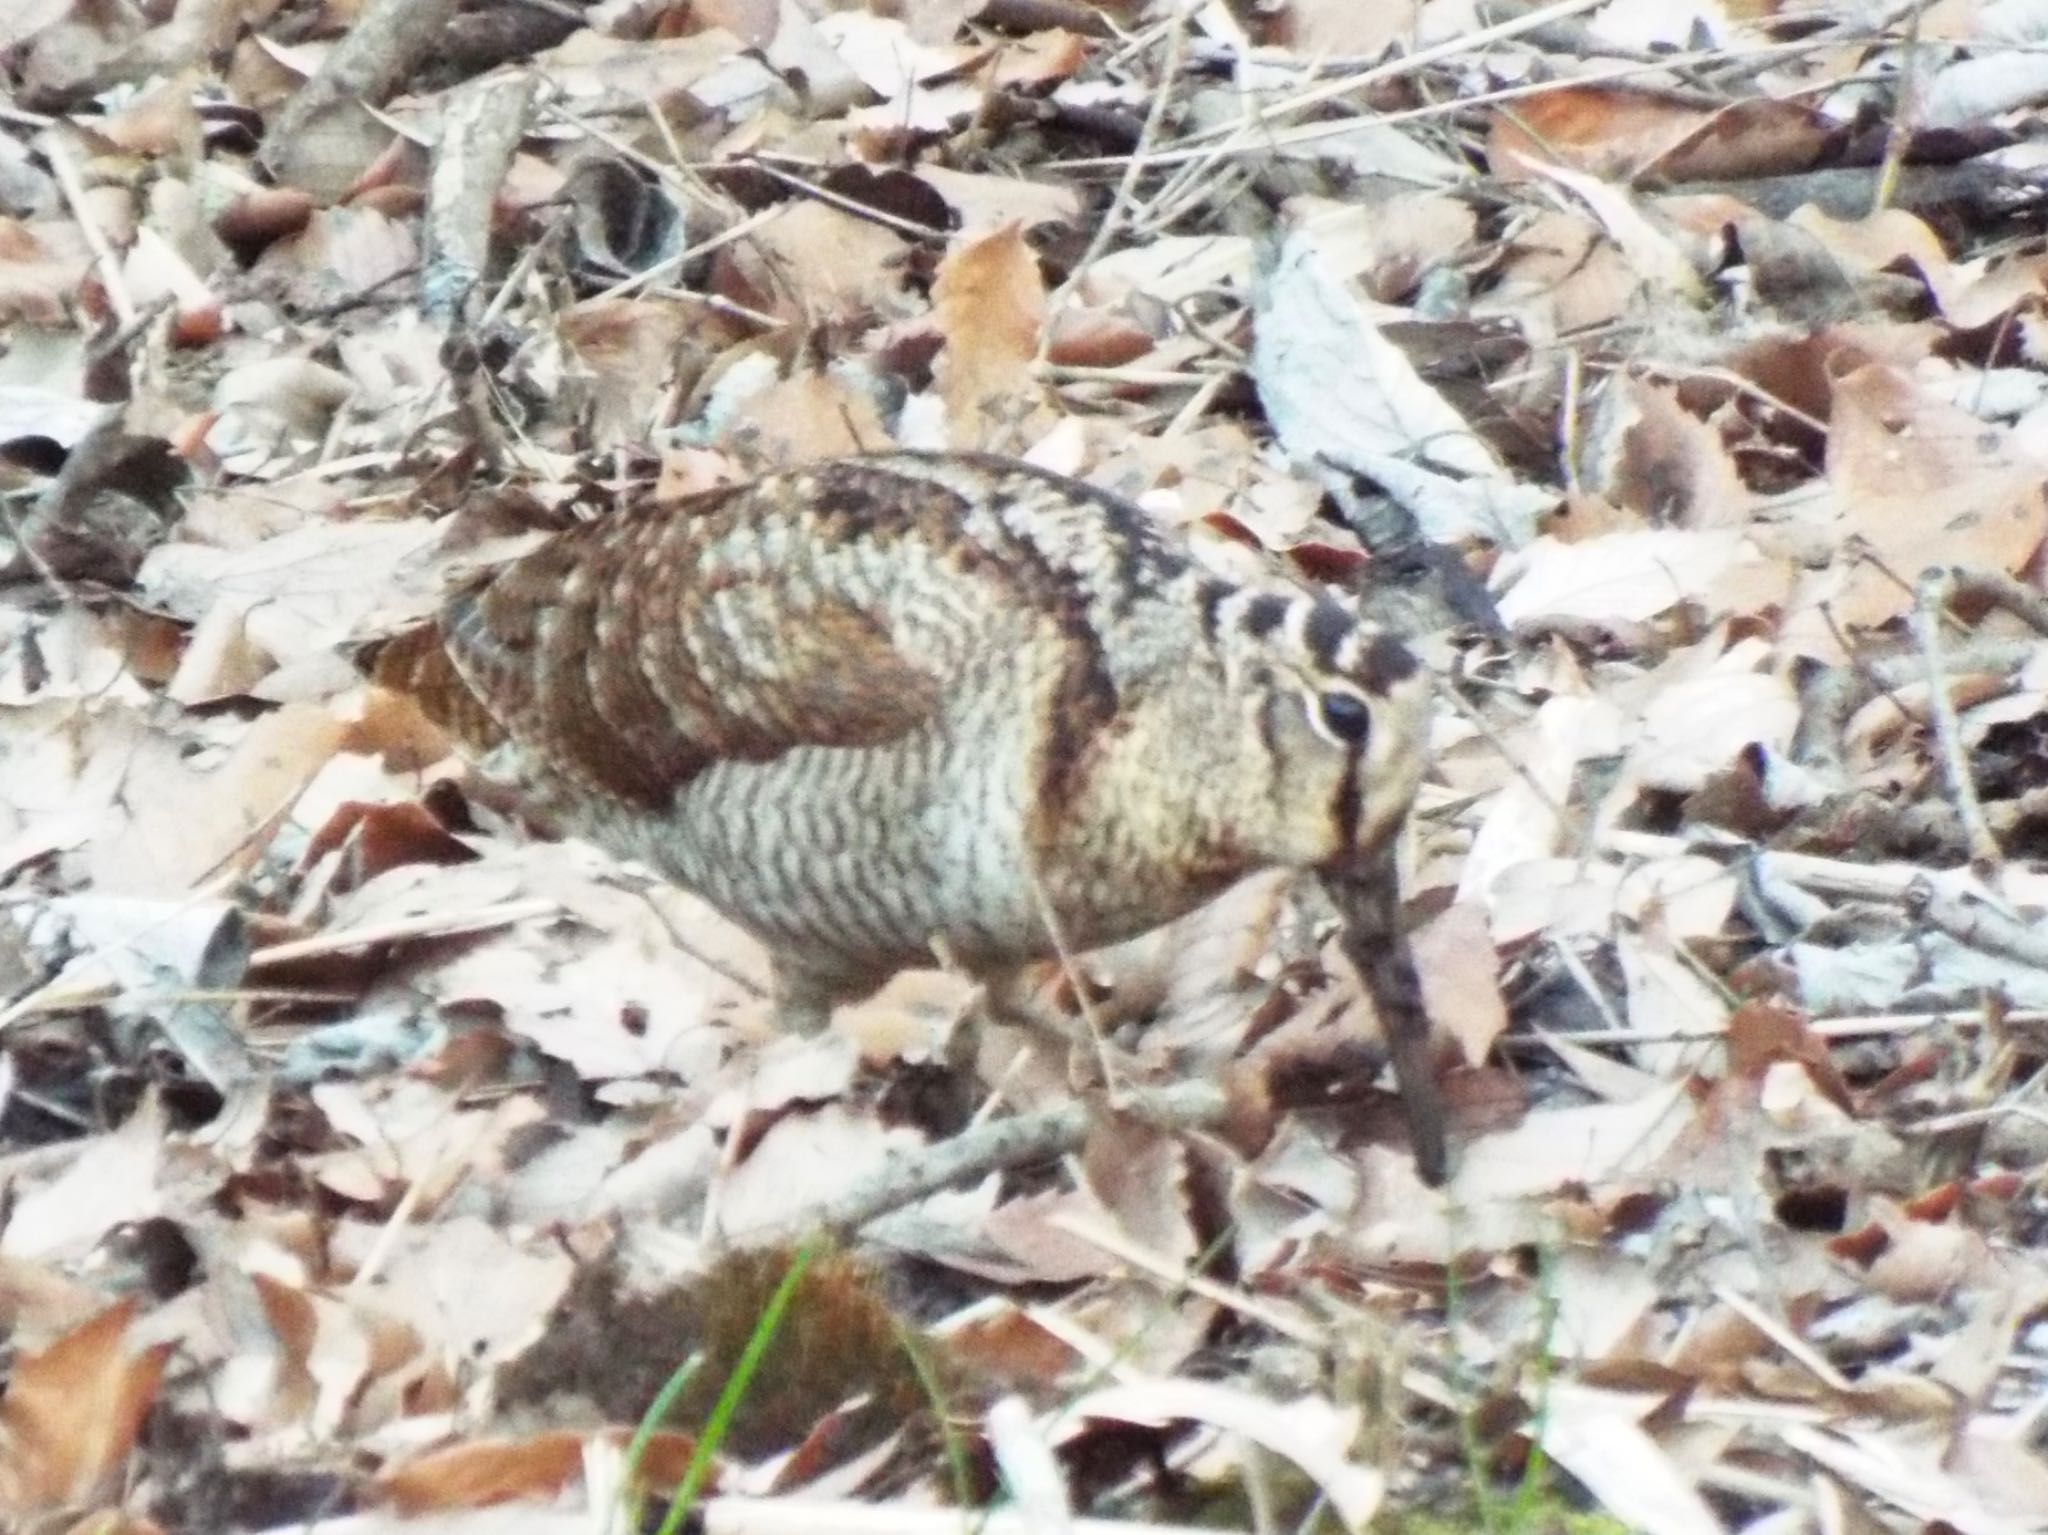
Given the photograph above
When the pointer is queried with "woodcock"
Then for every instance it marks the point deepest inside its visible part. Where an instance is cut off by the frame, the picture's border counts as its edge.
(878, 706)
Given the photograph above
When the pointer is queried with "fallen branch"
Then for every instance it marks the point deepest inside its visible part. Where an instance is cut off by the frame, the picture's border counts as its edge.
(1978, 926)
(989, 1148)
(328, 132)
(480, 130)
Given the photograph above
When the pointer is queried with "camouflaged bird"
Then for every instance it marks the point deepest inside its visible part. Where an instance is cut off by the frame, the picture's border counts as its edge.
(880, 705)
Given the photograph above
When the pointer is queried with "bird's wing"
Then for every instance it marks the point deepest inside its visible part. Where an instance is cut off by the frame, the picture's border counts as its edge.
(630, 654)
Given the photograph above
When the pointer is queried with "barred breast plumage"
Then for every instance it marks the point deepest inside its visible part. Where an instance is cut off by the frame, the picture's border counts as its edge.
(877, 702)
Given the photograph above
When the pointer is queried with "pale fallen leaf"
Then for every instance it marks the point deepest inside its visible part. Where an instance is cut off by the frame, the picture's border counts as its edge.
(1920, 484)
(1031, 1472)
(1139, 1173)
(306, 590)
(192, 824)
(1171, 269)
(1687, 896)
(805, 1160)
(1525, 820)
(813, 264)
(985, 203)
(472, 1290)
(1593, 1145)
(1593, 1436)
(1668, 996)
(29, 18)
(115, 1179)
(1340, 392)
(811, 414)
(1315, 1434)
(1455, 957)
(1906, 1470)
(1628, 575)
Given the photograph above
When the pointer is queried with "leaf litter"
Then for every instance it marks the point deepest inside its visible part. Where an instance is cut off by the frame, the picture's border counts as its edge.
(1672, 373)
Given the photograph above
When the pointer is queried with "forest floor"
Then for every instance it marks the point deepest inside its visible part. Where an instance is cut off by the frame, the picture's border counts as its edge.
(1675, 372)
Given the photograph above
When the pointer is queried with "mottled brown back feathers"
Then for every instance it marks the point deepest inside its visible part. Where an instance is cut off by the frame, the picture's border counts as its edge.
(416, 663)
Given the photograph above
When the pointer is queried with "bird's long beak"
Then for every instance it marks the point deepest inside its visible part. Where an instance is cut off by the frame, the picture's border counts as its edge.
(1368, 899)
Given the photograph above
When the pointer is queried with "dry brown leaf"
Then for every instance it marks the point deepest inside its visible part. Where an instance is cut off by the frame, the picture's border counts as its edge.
(1604, 130)
(989, 302)
(632, 349)
(1921, 484)
(40, 269)
(1747, 139)
(805, 416)
(71, 1414)
(1314, 27)
(815, 265)
(1664, 462)
(1140, 1175)
(488, 1473)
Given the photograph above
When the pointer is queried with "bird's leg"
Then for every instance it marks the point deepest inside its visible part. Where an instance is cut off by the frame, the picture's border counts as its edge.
(1368, 900)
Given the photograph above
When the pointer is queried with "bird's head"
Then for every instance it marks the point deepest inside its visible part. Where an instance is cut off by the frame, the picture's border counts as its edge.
(1332, 723)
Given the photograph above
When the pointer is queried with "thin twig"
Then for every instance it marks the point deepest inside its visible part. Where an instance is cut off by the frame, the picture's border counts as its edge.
(1931, 599)
(57, 150)
(1905, 112)
(1100, 1234)
(1407, 64)
(1072, 971)
(1311, 133)
(1794, 1346)
(1127, 185)
(430, 925)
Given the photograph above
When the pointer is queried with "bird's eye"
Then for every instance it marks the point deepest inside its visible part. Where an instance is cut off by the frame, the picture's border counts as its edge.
(1346, 716)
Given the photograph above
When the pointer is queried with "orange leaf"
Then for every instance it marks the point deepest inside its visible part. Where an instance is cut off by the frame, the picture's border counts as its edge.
(487, 1472)
(72, 1411)
(990, 302)
(494, 1471)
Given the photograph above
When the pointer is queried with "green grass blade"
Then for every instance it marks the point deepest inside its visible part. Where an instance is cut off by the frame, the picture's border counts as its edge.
(736, 1384)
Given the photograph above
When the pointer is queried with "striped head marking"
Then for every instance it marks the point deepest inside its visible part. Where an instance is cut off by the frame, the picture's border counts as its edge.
(1338, 715)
